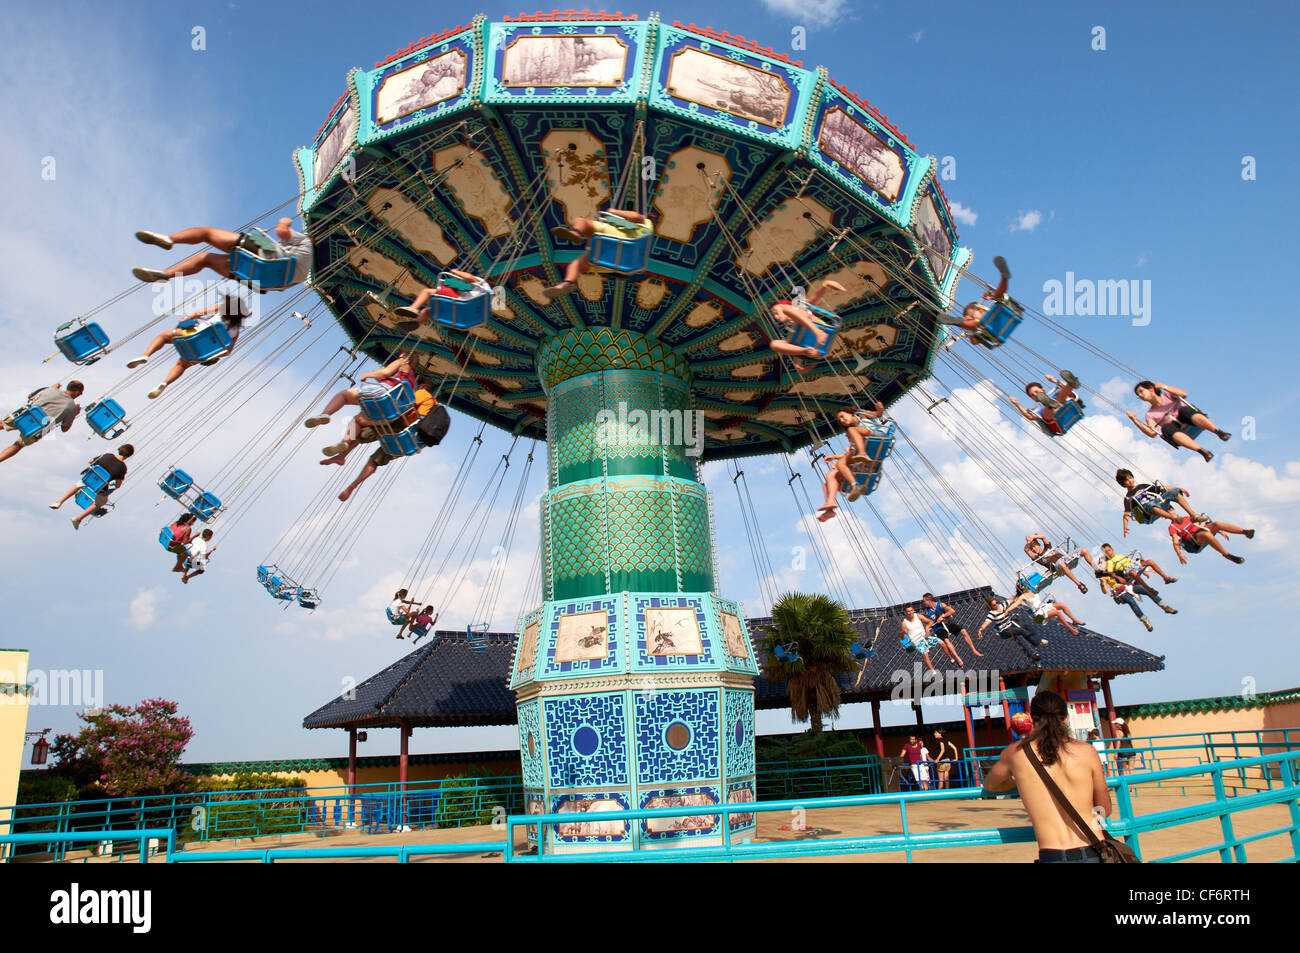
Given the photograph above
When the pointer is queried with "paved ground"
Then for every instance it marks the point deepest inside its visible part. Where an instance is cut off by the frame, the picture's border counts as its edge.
(922, 817)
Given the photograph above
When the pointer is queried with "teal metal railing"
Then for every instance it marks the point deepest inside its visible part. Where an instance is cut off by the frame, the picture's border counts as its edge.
(142, 837)
(823, 777)
(1128, 825)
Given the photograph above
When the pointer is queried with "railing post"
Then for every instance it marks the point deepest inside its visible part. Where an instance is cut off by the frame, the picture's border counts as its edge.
(1231, 851)
(1288, 772)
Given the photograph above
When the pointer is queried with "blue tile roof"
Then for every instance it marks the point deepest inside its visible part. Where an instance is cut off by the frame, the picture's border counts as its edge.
(446, 683)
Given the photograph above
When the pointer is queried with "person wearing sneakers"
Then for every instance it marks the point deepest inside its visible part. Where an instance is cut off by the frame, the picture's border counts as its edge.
(233, 310)
(288, 244)
(999, 616)
(361, 429)
(1119, 563)
(580, 232)
(1047, 416)
(1123, 582)
(1190, 536)
(1171, 417)
(112, 464)
(1145, 502)
(945, 627)
(372, 384)
(58, 403)
(417, 312)
(972, 315)
(198, 553)
(1044, 608)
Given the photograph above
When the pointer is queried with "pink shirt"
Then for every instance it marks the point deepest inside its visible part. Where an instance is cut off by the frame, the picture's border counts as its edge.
(1164, 410)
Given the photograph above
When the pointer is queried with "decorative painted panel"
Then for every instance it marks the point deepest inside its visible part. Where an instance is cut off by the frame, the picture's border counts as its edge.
(673, 633)
(583, 637)
(566, 62)
(532, 753)
(436, 81)
(738, 728)
(742, 792)
(587, 828)
(681, 827)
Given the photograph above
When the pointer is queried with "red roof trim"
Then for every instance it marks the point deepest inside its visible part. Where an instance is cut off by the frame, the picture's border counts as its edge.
(735, 40)
(862, 103)
(330, 115)
(569, 14)
(431, 40)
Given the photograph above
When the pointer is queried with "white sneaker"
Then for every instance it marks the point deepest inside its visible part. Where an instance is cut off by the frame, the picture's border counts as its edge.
(155, 238)
(151, 274)
(316, 421)
(157, 391)
(55, 506)
(137, 362)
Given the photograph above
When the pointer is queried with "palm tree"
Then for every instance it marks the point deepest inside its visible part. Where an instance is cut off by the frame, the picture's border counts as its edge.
(820, 629)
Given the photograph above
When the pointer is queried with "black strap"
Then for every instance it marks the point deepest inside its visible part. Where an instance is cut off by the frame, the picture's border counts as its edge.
(1059, 797)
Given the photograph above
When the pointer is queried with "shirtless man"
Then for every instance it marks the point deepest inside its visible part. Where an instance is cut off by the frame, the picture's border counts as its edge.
(1075, 768)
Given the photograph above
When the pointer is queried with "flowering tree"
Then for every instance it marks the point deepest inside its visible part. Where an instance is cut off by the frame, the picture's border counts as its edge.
(125, 750)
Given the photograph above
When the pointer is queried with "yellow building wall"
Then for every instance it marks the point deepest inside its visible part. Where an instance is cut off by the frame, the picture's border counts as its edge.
(13, 724)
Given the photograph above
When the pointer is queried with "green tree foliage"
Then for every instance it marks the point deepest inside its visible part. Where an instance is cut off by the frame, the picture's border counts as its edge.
(819, 628)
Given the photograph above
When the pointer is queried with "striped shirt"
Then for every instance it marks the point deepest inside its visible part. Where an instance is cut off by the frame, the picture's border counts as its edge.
(1001, 618)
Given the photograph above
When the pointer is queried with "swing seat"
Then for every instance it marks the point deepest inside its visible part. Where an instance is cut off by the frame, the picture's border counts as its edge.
(869, 481)
(308, 598)
(95, 479)
(85, 498)
(1069, 414)
(81, 342)
(263, 575)
(279, 589)
(107, 418)
(265, 273)
(461, 313)
(998, 324)
(906, 643)
(858, 651)
(785, 655)
(393, 617)
(166, 538)
(1193, 432)
(404, 443)
(175, 482)
(1036, 581)
(420, 631)
(477, 635)
(32, 422)
(205, 344)
(627, 256)
(830, 323)
(205, 506)
(399, 399)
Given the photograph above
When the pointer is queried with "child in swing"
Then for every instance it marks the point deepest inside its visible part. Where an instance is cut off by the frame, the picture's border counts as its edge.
(1047, 416)
(417, 312)
(794, 315)
(580, 232)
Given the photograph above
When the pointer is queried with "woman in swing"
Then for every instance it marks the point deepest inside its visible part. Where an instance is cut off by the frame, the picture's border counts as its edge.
(1171, 418)
(794, 315)
(417, 312)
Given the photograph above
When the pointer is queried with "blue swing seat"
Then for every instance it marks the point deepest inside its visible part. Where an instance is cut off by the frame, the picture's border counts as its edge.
(399, 399)
(175, 482)
(166, 538)
(81, 342)
(627, 256)
(394, 617)
(998, 323)
(205, 344)
(460, 313)
(1067, 415)
(95, 479)
(419, 631)
(785, 655)
(31, 422)
(404, 443)
(308, 598)
(830, 322)
(1035, 581)
(263, 273)
(263, 575)
(205, 506)
(878, 447)
(858, 651)
(107, 418)
(477, 635)
(85, 498)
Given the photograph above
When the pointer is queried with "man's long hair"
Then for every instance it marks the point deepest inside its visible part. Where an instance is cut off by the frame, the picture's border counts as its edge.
(1050, 732)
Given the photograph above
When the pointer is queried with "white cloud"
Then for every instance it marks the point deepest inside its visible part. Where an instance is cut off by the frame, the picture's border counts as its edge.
(1027, 221)
(916, 37)
(815, 13)
(143, 611)
(963, 214)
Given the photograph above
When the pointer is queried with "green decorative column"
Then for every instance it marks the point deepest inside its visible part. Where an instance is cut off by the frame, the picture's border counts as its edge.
(634, 679)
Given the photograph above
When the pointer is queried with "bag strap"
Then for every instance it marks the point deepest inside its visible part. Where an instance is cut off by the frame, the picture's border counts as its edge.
(1061, 800)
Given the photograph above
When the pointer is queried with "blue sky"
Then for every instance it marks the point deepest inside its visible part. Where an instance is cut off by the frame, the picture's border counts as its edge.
(1116, 164)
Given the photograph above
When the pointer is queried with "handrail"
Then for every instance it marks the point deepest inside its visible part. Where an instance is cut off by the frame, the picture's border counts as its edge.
(143, 835)
(271, 854)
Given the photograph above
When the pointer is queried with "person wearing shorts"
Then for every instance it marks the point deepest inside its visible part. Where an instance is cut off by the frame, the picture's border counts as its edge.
(1046, 418)
(580, 232)
(1171, 417)
(182, 530)
(943, 627)
(288, 244)
(916, 630)
(945, 756)
(1190, 536)
(372, 384)
(1145, 502)
(999, 616)
(232, 310)
(912, 752)
(112, 464)
(417, 312)
(794, 315)
(59, 404)
(197, 554)
(1040, 549)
